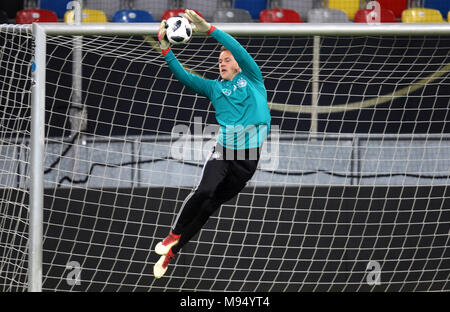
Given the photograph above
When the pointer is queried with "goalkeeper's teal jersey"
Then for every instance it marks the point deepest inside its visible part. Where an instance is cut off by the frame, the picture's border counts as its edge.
(241, 104)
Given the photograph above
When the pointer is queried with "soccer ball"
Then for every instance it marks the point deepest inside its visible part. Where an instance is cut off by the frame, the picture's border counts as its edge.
(179, 30)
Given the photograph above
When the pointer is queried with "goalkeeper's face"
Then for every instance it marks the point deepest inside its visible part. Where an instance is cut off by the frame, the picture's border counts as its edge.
(228, 66)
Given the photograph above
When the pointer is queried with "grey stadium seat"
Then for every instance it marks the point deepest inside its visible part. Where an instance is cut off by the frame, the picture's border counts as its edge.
(327, 16)
(205, 7)
(301, 6)
(232, 16)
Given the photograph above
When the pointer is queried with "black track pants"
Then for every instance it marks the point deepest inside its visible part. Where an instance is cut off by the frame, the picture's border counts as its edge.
(225, 174)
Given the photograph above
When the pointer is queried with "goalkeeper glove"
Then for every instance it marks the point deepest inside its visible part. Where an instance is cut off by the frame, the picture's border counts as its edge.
(200, 25)
(162, 36)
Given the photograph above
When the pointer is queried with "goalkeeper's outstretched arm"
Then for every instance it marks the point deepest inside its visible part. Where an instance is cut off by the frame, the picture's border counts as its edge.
(195, 83)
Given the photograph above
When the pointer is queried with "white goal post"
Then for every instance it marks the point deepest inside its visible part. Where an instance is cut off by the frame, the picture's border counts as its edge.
(317, 137)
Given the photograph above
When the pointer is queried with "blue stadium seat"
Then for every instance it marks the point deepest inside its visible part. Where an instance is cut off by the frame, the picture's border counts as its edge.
(132, 16)
(57, 6)
(253, 6)
(442, 5)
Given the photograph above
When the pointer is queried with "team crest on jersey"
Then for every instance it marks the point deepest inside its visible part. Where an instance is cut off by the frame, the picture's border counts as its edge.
(227, 92)
(241, 82)
(216, 155)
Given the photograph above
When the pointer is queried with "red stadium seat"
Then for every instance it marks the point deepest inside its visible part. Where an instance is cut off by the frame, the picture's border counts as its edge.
(279, 16)
(365, 16)
(396, 6)
(175, 12)
(36, 16)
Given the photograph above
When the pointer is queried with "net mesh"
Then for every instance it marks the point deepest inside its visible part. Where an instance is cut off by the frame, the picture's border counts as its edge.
(358, 204)
(15, 84)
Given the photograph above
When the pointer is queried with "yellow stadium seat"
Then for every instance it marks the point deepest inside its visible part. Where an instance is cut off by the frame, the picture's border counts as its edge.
(349, 6)
(448, 16)
(420, 15)
(88, 16)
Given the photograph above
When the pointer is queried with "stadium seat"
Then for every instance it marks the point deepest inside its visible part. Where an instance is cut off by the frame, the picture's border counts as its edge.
(4, 17)
(279, 16)
(89, 16)
(57, 6)
(327, 16)
(207, 7)
(31, 16)
(302, 7)
(132, 16)
(156, 8)
(420, 15)
(232, 16)
(441, 5)
(397, 6)
(366, 16)
(175, 12)
(109, 7)
(253, 6)
(348, 6)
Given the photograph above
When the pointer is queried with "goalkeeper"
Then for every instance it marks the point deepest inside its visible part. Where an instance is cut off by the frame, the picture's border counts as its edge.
(240, 102)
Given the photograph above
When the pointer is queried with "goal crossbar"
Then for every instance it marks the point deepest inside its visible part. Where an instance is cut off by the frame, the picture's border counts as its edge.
(263, 29)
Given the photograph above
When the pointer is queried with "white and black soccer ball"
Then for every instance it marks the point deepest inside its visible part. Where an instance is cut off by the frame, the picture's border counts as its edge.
(179, 30)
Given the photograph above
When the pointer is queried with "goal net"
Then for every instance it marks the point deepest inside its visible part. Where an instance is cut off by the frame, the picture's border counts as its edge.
(351, 193)
(16, 50)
